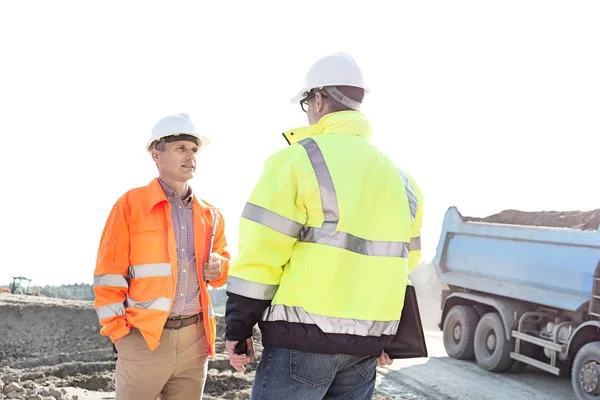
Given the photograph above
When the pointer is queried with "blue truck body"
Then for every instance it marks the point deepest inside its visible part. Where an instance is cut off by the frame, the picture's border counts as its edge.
(522, 295)
(548, 266)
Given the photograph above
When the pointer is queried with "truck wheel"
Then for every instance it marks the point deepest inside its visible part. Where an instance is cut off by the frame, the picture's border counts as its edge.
(459, 331)
(585, 376)
(492, 350)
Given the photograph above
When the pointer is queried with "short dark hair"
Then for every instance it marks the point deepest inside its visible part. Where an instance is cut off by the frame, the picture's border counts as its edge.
(161, 144)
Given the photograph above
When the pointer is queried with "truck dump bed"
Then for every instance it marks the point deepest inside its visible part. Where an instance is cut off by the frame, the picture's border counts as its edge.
(545, 265)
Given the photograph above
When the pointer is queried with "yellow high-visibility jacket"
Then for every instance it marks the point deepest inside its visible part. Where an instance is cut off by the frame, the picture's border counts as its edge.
(326, 241)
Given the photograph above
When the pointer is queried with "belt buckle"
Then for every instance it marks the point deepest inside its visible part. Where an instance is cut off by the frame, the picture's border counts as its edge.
(173, 320)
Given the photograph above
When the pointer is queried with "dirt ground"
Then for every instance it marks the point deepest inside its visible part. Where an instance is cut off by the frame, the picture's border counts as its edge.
(52, 349)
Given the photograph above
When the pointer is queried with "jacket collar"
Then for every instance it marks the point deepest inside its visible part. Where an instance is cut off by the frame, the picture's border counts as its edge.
(156, 195)
(343, 122)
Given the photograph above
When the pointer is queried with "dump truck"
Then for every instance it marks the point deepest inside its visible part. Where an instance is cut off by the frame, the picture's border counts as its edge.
(523, 289)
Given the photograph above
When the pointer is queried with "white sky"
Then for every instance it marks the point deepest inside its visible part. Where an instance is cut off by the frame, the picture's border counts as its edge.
(489, 105)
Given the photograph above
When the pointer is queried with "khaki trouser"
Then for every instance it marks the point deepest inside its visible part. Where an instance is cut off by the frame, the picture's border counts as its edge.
(176, 370)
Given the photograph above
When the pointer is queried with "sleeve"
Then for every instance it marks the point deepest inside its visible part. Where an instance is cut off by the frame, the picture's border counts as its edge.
(269, 228)
(111, 272)
(414, 256)
(220, 247)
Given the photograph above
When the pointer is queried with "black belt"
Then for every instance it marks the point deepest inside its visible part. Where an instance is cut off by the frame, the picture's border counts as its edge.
(180, 322)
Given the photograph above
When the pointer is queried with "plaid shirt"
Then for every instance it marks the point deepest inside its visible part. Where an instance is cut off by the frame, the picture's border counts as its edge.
(187, 295)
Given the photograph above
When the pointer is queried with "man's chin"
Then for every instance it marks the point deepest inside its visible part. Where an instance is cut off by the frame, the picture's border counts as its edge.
(186, 176)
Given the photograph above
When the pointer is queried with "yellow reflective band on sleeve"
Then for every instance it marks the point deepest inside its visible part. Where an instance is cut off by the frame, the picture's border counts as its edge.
(272, 220)
(250, 289)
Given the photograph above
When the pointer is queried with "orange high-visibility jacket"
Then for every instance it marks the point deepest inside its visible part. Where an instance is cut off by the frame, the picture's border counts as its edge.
(136, 270)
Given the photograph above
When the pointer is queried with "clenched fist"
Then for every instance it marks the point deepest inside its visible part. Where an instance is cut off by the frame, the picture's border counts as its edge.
(212, 269)
(384, 359)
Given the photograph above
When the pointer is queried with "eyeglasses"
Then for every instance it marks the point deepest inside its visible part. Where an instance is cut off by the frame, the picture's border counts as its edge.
(304, 101)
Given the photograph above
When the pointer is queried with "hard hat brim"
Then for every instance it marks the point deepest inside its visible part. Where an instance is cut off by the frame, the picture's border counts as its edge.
(298, 97)
(204, 141)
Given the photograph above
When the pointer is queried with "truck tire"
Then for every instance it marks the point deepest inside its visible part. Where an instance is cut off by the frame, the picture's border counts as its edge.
(459, 331)
(585, 374)
(492, 350)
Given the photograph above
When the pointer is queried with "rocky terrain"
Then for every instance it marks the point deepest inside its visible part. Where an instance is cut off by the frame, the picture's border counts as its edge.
(51, 349)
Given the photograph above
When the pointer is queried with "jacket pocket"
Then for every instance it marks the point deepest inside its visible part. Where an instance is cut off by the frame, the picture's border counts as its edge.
(313, 369)
(367, 367)
(148, 247)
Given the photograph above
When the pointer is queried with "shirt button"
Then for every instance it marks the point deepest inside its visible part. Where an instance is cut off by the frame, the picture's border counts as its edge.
(179, 206)
(183, 227)
(181, 294)
(184, 270)
(182, 249)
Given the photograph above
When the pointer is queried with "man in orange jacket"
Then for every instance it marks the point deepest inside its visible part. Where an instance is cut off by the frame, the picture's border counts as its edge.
(160, 249)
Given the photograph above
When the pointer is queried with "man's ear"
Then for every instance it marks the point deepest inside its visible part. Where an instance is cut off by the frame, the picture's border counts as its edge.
(155, 154)
(319, 102)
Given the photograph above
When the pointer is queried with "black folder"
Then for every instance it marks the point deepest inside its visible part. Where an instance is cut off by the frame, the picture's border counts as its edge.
(409, 341)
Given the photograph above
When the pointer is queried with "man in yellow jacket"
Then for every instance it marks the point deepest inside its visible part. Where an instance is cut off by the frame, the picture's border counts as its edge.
(326, 241)
(157, 256)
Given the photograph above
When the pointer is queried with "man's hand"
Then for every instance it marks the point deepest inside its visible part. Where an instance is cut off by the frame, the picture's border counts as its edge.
(384, 359)
(238, 361)
(212, 269)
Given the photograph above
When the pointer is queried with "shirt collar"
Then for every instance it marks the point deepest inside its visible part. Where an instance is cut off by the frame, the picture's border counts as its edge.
(170, 192)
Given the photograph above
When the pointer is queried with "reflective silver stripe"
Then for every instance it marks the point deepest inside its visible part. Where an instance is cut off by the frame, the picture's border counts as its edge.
(249, 289)
(350, 242)
(348, 326)
(211, 311)
(272, 220)
(115, 280)
(327, 234)
(110, 310)
(410, 192)
(328, 196)
(161, 304)
(415, 243)
(150, 270)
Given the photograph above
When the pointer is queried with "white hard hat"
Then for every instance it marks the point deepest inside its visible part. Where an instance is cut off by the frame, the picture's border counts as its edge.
(173, 125)
(338, 69)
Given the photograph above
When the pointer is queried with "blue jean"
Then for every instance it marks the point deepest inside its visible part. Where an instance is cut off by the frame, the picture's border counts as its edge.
(291, 374)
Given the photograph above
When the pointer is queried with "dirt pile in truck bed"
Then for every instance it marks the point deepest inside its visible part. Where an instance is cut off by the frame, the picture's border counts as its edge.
(583, 220)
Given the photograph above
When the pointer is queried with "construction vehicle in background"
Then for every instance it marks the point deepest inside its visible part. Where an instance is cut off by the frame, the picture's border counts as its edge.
(523, 289)
(17, 285)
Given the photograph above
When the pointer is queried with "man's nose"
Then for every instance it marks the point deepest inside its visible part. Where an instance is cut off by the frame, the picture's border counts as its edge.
(190, 154)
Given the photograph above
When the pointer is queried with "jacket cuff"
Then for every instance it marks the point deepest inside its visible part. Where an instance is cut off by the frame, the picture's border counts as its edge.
(236, 335)
(118, 334)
